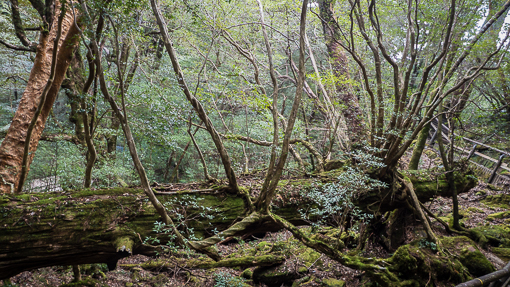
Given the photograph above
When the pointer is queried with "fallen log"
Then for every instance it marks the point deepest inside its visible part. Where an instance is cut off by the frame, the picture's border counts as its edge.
(102, 226)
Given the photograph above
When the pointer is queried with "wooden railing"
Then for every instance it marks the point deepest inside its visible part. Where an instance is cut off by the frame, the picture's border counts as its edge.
(493, 172)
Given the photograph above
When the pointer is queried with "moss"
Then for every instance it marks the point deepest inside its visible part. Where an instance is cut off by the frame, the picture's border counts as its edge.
(124, 244)
(502, 253)
(247, 273)
(334, 164)
(495, 234)
(474, 209)
(493, 187)
(468, 255)
(207, 263)
(331, 282)
(263, 246)
(428, 185)
(82, 283)
(475, 261)
(498, 215)
(403, 261)
(416, 266)
(309, 256)
(498, 200)
(109, 191)
(159, 280)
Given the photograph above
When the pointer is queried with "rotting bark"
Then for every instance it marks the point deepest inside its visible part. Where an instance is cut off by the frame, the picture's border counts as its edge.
(11, 150)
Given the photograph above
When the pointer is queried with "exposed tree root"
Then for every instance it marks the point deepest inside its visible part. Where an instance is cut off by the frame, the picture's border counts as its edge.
(206, 263)
(431, 236)
(373, 267)
(235, 229)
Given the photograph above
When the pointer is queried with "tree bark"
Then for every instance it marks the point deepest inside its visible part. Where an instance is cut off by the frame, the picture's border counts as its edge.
(11, 150)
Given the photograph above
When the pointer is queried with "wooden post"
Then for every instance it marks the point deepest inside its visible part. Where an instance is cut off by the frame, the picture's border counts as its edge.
(472, 152)
(495, 170)
(434, 136)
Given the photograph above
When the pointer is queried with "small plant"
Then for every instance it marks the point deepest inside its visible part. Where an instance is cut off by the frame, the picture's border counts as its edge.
(224, 279)
(424, 243)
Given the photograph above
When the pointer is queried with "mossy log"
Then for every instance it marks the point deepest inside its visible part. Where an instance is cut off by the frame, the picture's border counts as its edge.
(101, 226)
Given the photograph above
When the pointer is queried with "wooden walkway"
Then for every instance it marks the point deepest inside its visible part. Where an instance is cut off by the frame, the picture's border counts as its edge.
(480, 155)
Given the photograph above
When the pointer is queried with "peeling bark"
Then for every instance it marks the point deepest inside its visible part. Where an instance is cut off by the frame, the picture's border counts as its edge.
(11, 150)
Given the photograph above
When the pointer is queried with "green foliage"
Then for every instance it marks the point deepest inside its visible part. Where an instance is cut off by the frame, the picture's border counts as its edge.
(424, 243)
(335, 201)
(224, 279)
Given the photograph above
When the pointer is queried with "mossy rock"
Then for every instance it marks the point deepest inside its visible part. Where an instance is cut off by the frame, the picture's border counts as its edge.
(493, 187)
(247, 274)
(475, 261)
(499, 232)
(403, 261)
(416, 266)
(305, 281)
(469, 255)
(331, 282)
(502, 253)
(474, 209)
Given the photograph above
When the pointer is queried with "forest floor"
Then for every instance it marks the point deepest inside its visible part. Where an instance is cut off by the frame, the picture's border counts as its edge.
(483, 207)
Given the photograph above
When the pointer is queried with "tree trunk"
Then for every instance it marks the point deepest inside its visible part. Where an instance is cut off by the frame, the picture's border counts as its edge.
(11, 150)
(339, 62)
(419, 147)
